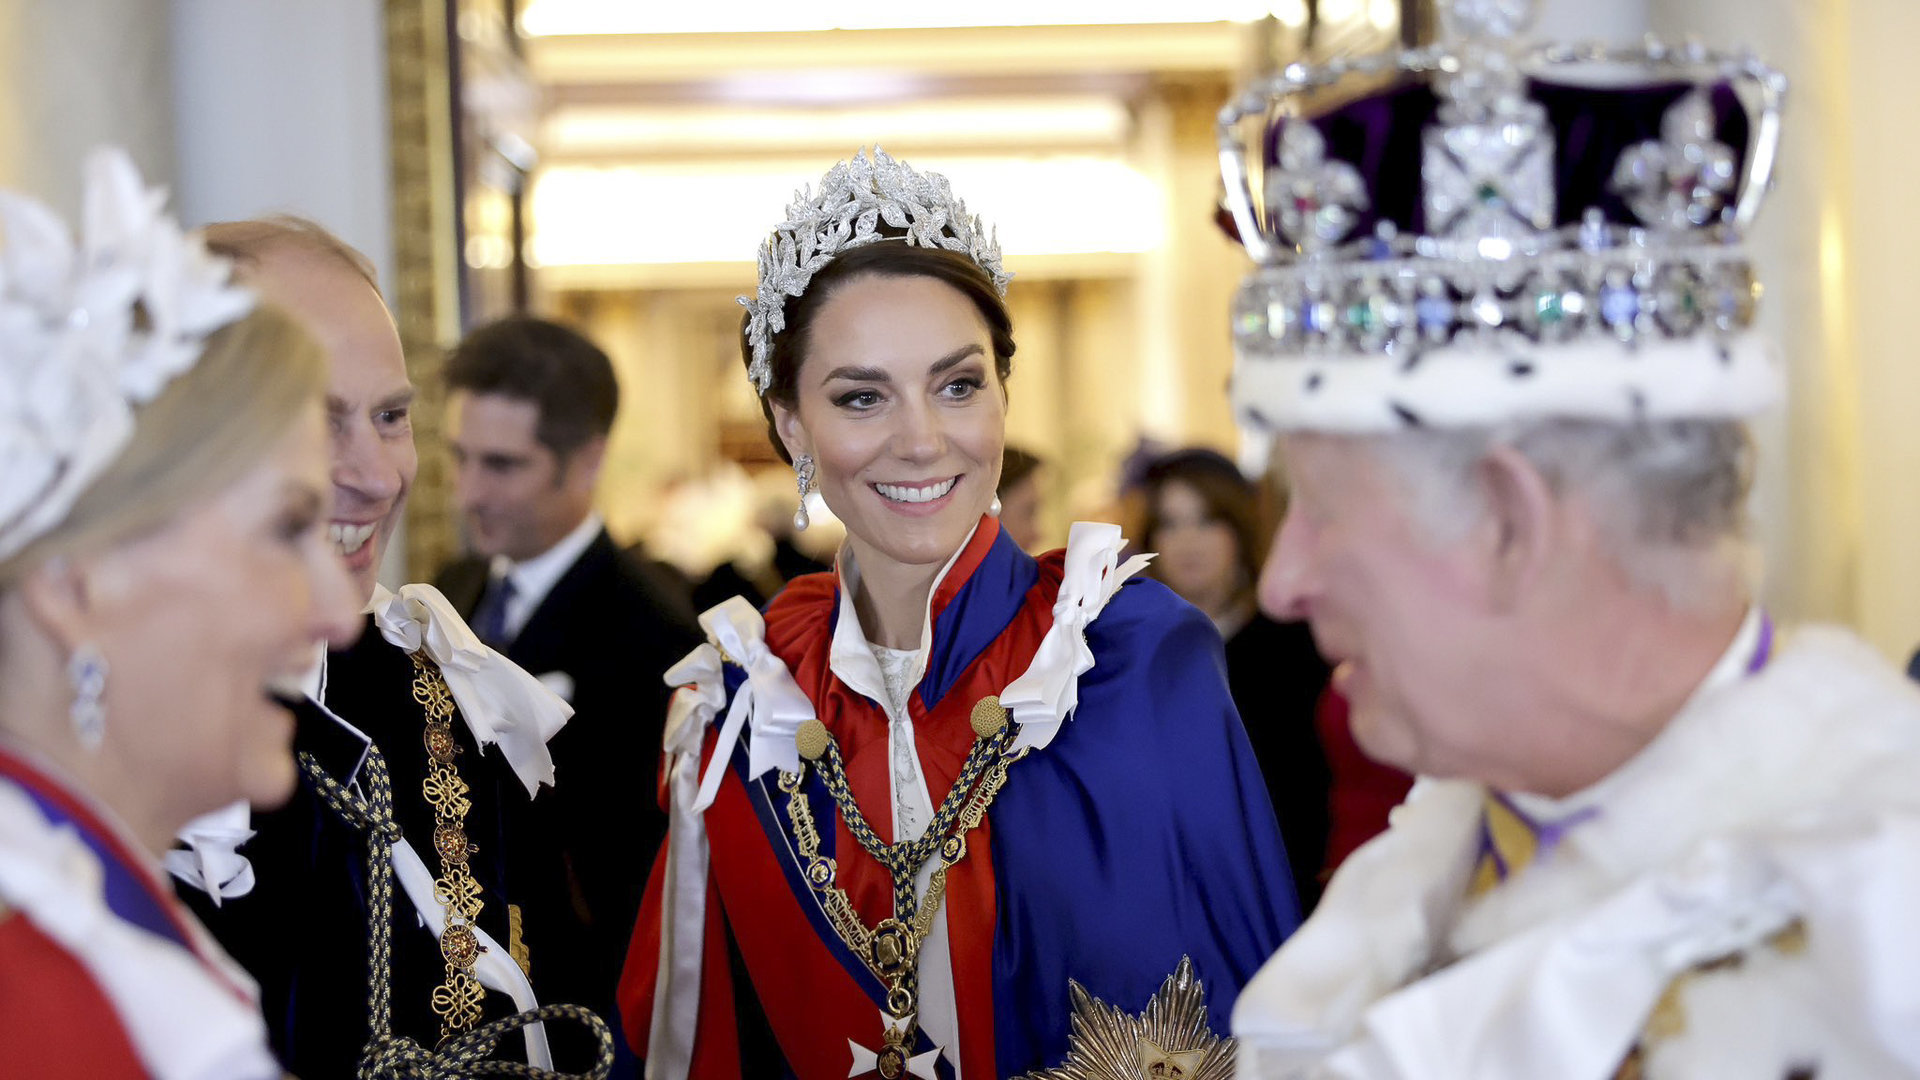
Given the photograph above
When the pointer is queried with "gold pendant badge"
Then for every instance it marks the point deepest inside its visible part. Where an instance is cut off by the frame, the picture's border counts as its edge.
(1168, 1041)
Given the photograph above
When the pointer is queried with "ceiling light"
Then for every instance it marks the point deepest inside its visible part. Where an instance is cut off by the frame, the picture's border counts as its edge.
(708, 213)
(555, 17)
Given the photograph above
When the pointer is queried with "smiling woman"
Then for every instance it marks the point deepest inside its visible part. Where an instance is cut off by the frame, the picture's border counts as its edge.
(901, 406)
(164, 577)
(981, 851)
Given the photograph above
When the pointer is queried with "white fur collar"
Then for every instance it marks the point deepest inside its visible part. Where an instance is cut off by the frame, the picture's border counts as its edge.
(1702, 839)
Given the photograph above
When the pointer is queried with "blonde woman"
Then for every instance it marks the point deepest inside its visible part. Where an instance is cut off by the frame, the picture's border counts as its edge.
(165, 579)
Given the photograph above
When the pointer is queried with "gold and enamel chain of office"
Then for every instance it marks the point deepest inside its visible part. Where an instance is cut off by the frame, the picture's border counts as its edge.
(891, 948)
(457, 1001)
(387, 1056)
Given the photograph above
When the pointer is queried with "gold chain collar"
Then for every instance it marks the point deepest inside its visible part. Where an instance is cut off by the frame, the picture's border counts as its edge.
(457, 1001)
(891, 948)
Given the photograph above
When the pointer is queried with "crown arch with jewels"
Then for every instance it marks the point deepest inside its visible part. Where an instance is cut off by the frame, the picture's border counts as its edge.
(1485, 229)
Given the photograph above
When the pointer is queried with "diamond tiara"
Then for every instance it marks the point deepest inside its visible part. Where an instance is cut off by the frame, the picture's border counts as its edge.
(856, 199)
(90, 332)
(1516, 245)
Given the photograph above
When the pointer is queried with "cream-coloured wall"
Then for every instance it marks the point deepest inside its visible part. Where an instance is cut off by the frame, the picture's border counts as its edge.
(75, 74)
(1186, 287)
(1807, 473)
(282, 107)
(1837, 506)
(1868, 53)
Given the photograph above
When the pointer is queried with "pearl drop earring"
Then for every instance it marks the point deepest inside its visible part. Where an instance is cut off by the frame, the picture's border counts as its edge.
(803, 478)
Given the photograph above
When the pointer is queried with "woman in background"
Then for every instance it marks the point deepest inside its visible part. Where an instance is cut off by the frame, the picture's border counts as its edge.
(165, 577)
(1209, 526)
(1020, 498)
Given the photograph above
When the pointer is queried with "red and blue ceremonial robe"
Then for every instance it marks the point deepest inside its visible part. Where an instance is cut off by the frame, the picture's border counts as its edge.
(1140, 834)
(103, 973)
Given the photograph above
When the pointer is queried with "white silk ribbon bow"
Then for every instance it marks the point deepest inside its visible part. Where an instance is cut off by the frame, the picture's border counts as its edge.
(771, 704)
(502, 704)
(1042, 698)
(702, 687)
(212, 862)
(683, 917)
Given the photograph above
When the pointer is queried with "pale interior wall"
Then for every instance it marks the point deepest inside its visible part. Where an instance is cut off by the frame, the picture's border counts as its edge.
(281, 107)
(1806, 500)
(75, 74)
(1186, 288)
(1837, 504)
(1877, 160)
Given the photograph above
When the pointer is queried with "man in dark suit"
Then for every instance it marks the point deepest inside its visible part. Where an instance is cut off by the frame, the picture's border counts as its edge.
(300, 921)
(530, 405)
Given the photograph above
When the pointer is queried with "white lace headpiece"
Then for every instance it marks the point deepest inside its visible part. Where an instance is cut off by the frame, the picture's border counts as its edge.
(855, 198)
(90, 332)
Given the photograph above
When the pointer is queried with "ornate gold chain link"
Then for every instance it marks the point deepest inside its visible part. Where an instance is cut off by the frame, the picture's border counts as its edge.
(891, 948)
(457, 1001)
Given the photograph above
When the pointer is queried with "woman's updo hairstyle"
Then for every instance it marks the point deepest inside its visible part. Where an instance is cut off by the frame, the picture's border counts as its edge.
(885, 258)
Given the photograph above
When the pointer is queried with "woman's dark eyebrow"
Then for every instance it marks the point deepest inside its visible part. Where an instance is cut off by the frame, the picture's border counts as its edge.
(954, 358)
(879, 375)
(857, 374)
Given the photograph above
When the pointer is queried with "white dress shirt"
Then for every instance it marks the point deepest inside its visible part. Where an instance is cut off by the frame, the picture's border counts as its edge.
(534, 578)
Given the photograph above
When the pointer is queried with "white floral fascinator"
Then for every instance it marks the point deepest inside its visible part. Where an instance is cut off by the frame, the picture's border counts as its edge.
(91, 331)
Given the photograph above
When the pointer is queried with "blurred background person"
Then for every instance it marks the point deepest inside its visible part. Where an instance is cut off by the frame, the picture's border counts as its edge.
(165, 582)
(1208, 526)
(1021, 499)
(732, 533)
(529, 406)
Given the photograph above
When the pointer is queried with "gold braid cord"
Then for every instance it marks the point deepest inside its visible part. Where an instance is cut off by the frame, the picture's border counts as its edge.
(387, 1056)
(457, 1001)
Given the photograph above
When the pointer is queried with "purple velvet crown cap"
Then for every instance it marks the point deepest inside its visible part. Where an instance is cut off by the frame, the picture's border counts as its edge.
(1501, 233)
(1381, 136)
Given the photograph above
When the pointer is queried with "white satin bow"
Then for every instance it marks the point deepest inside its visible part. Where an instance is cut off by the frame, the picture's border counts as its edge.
(1044, 696)
(212, 862)
(702, 690)
(771, 703)
(503, 705)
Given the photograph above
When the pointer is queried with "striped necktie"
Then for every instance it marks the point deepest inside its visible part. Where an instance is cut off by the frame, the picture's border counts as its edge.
(1510, 839)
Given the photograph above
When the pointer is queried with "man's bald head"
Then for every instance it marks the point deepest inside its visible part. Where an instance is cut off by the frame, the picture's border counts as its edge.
(316, 276)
